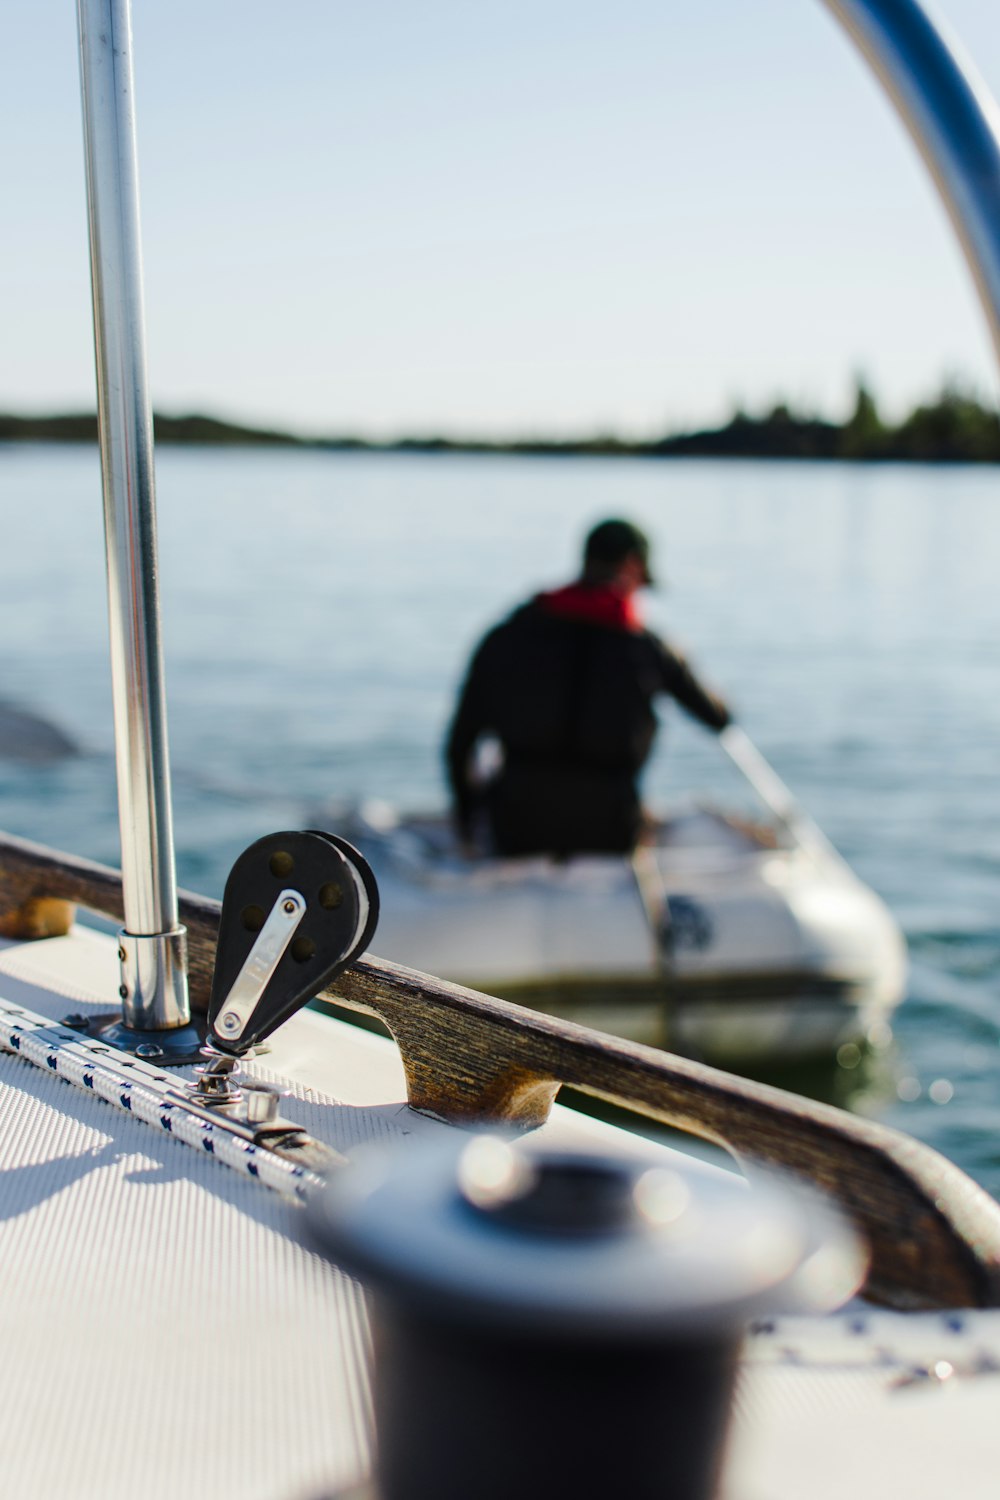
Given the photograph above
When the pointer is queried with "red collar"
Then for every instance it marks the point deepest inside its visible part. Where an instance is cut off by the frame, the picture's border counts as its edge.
(596, 603)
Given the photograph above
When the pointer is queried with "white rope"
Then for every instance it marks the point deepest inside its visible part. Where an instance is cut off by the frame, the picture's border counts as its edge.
(146, 1093)
(905, 1347)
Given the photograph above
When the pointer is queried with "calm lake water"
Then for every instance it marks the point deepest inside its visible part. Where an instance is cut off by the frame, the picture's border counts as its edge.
(318, 612)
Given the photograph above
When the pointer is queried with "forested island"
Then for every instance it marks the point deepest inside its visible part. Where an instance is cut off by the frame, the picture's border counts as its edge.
(955, 427)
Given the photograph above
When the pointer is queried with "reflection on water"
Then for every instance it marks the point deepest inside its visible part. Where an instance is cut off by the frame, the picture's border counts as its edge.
(860, 1078)
(319, 610)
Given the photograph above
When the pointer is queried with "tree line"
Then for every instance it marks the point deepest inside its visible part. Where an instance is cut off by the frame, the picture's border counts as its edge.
(954, 427)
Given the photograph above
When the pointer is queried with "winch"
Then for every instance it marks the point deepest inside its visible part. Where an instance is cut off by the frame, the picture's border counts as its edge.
(547, 1322)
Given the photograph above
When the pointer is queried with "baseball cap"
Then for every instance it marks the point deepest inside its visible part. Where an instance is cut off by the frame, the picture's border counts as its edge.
(613, 540)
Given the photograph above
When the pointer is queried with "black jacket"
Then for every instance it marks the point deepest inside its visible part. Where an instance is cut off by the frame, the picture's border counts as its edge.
(570, 702)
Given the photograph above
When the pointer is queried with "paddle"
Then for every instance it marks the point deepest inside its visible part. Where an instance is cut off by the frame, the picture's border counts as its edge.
(773, 792)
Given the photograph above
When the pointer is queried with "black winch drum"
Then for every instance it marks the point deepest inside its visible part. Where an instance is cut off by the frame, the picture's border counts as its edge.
(548, 1323)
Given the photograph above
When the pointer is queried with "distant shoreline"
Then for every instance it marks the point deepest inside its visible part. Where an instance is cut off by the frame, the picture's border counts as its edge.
(954, 428)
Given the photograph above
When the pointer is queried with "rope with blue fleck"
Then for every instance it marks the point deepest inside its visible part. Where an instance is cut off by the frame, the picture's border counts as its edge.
(148, 1094)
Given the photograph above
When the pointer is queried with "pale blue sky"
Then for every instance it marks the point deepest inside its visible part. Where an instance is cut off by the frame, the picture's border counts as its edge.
(548, 217)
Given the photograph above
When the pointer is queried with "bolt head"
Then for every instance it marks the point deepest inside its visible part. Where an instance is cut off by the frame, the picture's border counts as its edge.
(290, 908)
(148, 1049)
(230, 1022)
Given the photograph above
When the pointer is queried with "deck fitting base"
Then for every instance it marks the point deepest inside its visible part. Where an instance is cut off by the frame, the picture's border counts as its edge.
(175, 1048)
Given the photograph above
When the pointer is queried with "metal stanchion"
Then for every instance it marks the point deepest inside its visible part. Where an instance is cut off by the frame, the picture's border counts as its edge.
(152, 944)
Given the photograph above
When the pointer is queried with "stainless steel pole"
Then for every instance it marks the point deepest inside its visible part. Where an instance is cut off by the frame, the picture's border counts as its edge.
(952, 118)
(154, 980)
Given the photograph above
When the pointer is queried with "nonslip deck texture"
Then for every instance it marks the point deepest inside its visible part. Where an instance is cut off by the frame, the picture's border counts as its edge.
(472, 1059)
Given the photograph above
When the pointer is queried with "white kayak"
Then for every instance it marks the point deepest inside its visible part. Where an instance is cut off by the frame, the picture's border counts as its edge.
(727, 938)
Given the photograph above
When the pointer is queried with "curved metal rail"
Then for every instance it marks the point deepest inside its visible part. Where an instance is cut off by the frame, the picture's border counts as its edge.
(952, 117)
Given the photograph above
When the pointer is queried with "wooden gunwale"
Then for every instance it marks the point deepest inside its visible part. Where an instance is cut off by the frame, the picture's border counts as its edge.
(472, 1059)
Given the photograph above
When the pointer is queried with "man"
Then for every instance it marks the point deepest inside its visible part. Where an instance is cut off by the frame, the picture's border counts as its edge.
(566, 686)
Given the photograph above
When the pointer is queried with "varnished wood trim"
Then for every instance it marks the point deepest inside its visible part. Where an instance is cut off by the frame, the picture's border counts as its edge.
(40, 917)
(476, 1060)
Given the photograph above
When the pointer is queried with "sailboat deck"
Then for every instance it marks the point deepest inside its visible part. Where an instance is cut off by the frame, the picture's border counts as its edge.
(166, 1330)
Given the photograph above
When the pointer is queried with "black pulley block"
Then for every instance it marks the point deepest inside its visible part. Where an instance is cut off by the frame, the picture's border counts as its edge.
(298, 908)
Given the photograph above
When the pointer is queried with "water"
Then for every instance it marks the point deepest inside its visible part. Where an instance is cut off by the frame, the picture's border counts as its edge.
(319, 610)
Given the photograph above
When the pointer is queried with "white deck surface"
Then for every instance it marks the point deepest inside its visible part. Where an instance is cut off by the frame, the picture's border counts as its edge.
(164, 1332)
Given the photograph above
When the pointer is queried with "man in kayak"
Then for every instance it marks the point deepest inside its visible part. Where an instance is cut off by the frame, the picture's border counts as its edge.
(565, 686)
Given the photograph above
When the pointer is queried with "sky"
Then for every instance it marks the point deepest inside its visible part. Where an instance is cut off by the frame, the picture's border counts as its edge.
(503, 220)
